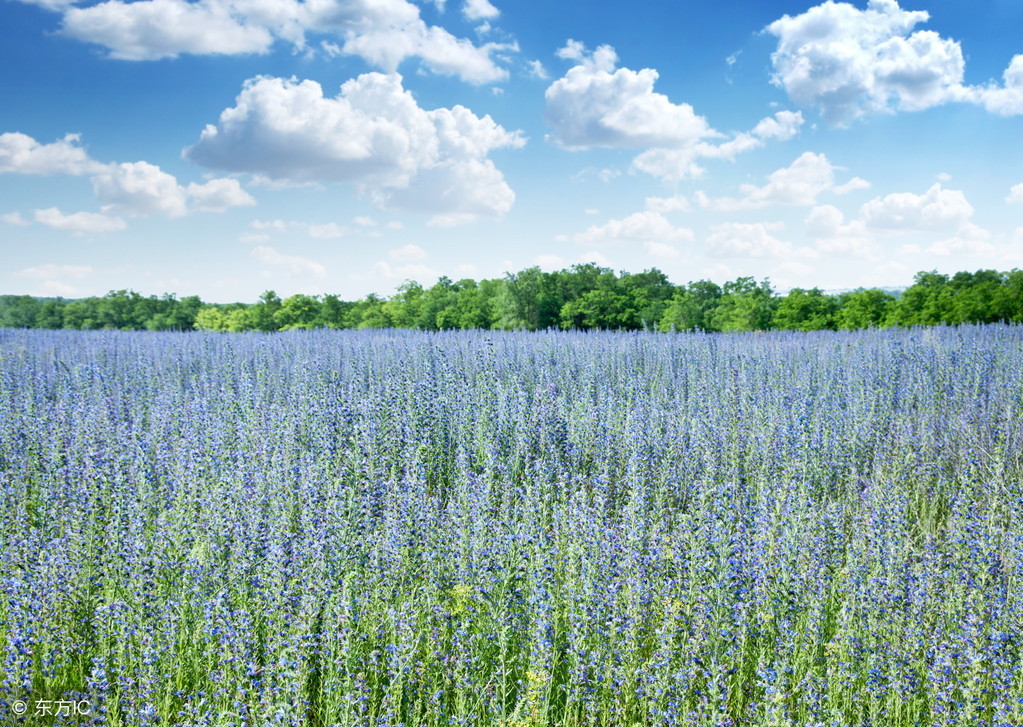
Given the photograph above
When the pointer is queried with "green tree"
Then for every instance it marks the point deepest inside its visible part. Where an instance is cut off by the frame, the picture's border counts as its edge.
(863, 308)
(927, 302)
(19, 311)
(691, 308)
(297, 311)
(806, 310)
(744, 306)
(259, 317)
(651, 293)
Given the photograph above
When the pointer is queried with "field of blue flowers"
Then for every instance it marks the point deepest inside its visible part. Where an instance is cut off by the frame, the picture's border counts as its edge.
(512, 529)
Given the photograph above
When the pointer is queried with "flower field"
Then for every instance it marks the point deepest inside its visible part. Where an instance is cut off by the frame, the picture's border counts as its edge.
(517, 529)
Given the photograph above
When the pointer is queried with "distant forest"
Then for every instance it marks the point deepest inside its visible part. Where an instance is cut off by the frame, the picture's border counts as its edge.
(583, 297)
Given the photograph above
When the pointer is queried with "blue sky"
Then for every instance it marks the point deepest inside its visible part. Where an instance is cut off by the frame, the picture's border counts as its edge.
(227, 147)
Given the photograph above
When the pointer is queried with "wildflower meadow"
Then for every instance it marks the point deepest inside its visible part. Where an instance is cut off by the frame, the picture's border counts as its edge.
(384, 528)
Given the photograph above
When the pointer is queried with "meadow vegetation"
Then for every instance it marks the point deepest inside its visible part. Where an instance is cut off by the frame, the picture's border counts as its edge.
(505, 528)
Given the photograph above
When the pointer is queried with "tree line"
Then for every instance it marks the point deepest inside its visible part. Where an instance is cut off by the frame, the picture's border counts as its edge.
(583, 297)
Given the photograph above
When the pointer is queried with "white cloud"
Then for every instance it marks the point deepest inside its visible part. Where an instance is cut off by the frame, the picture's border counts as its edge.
(682, 162)
(328, 231)
(739, 239)
(363, 221)
(297, 266)
(849, 62)
(382, 32)
(78, 222)
(782, 126)
(536, 70)
(407, 253)
(963, 246)
(677, 203)
(905, 215)
(1015, 194)
(936, 209)
(153, 29)
(479, 10)
(1006, 100)
(131, 188)
(404, 272)
(834, 236)
(852, 185)
(647, 226)
(139, 189)
(278, 225)
(217, 195)
(21, 154)
(14, 218)
(605, 175)
(596, 258)
(661, 250)
(550, 263)
(594, 105)
(56, 272)
(373, 133)
(798, 184)
(56, 5)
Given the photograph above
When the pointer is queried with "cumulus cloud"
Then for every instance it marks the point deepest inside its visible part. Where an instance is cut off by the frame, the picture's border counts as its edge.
(827, 225)
(404, 272)
(374, 134)
(479, 10)
(676, 203)
(52, 272)
(14, 218)
(917, 217)
(136, 189)
(21, 154)
(140, 189)
(218, 195)
(740, 239)
(382, 32)
(936, 209)
(661, 250)
(78, 222)
(1015, 194)
(1006, 100)
(782, 126)
(673, 164)
(328, 231)
(550, 263)
(640, 227)
(153, 29)
(798, 184)
(296, 265)
(407, 253)
(596, 104)
(849, 62)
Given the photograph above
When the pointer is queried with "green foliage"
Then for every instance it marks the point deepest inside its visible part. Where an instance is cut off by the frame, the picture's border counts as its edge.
(582, 297)
(690, 309)
(863, 308)
(806, 310)
(744, 306)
